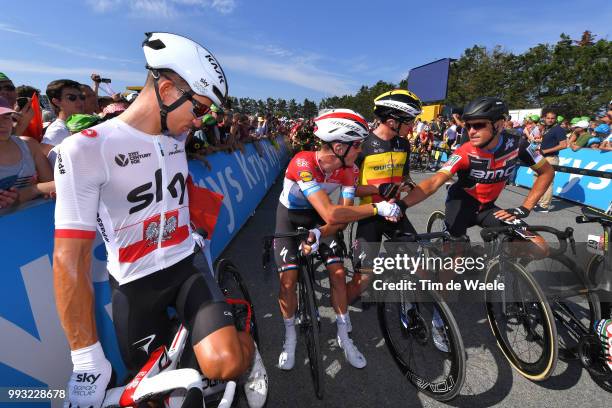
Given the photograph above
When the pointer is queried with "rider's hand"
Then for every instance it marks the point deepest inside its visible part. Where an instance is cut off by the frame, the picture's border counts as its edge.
(388, 190)
(386, 209)
(313, 239)
(90, 377)
(512, 213)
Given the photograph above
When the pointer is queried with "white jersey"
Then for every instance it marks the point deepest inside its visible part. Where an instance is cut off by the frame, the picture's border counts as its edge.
(132, 187)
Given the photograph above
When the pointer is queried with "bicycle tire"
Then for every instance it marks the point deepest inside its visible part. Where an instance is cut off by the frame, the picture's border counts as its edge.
(575, 308)
(545, 364)
(412, 346)
(232, 285)
(433, 221)
(309, 327)
(594, 263)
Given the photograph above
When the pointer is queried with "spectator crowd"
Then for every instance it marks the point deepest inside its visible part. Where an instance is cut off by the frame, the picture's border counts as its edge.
(33, 124)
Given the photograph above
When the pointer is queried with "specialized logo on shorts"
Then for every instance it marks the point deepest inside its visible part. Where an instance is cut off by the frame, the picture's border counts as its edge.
(283, 253)
(89, 133)
(306, 176)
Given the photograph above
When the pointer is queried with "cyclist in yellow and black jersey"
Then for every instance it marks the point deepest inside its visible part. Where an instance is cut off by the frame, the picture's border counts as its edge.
(383, 162)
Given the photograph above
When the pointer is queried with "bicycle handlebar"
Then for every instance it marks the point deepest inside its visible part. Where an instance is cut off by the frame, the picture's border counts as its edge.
(491, 233)
(410, 237)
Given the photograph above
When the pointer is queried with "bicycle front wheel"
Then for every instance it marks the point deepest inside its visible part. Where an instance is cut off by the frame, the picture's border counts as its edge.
(309, 326)
(521, 320)
(408, 328)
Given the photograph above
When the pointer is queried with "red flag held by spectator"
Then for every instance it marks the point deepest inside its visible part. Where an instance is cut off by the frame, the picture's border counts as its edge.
(35, 127)
(204, 207)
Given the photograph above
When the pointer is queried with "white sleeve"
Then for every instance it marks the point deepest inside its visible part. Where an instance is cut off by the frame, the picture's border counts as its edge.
(79, 173)
(55, 135)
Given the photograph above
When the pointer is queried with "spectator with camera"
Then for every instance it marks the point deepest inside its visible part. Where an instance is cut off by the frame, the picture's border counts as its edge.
(67, 99)
(23, 106)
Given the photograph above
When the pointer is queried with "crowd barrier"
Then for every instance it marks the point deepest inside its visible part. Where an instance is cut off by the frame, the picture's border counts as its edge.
(34, 351)
(586, 182)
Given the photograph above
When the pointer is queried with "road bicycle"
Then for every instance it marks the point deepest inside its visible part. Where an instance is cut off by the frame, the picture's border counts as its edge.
(407, 323)
(307, 314)
(171, 377)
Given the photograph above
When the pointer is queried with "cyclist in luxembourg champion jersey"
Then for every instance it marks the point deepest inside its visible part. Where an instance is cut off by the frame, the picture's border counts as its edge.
(127, 178)
(309, 180)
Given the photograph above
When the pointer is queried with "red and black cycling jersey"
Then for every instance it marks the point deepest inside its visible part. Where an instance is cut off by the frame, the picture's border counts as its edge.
(483, 173)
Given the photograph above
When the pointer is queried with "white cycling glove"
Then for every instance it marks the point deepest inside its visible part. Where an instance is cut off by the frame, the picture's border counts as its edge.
(314, 247)
(90, 377)
(386, 209)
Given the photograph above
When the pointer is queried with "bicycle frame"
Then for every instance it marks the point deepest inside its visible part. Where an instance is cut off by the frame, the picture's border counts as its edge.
(160, 376)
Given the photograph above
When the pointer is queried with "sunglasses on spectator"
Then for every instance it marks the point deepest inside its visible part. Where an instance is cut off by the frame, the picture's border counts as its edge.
(7, 88)
(198, 109)
(73, 97)
(476, 126)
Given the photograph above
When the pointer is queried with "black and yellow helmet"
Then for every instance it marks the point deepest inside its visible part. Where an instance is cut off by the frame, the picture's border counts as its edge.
(397, 104)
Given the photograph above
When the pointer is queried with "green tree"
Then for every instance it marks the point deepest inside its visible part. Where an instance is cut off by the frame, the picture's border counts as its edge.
(293, 109)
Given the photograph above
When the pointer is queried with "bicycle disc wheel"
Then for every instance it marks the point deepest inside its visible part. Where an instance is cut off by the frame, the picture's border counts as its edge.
(407, 328)
(309, 326)
(233, 287)
(521, 321)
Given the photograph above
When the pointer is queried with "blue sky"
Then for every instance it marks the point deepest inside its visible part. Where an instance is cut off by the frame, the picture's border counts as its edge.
(289, 49)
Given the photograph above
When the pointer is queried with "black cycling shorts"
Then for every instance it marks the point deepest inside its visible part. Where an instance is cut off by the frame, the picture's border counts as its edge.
(464, 211)
(141, 308)
(370, 231)
(286, 249)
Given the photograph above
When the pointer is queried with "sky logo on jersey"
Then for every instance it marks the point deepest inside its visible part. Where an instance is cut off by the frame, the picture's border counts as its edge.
(305, 176)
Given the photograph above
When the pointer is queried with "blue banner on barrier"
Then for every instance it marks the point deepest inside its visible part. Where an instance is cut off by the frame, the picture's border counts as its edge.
(593, 191)
(34, 351)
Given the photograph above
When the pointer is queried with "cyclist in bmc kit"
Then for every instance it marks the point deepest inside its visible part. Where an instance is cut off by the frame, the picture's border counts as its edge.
(483, 166)
(127, 178)
(309, 180)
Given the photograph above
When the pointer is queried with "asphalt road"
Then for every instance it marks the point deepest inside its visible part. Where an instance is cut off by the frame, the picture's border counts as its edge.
(490, 379)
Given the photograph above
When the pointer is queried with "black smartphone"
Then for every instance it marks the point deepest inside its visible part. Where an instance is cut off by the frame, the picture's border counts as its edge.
(22, 101)
(105, 80)
(7, 182)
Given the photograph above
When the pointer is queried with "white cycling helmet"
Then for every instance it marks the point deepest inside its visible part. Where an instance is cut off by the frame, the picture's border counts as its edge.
(189, 60)
(341, 125)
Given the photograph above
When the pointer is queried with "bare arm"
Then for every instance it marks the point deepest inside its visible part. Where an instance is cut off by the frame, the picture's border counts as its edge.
(546, 174)
(43, 167)
(338, 214)
(562, 145)
(74, 293)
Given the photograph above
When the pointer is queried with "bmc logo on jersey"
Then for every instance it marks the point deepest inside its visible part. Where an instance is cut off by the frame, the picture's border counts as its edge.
(491, 176)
